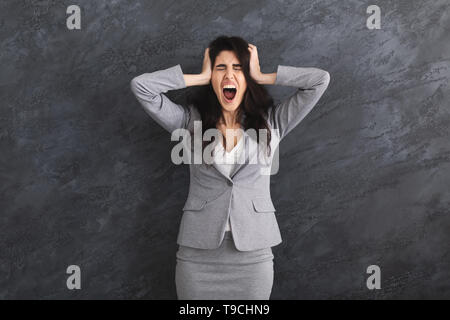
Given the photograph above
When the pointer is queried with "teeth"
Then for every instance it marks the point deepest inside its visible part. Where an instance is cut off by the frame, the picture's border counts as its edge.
(229, 86)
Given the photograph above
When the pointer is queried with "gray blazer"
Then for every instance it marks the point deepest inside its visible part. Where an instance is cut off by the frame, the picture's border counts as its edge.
(244, 196)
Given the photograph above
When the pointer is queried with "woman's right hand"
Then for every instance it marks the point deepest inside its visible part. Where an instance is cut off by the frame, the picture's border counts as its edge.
(203, 78)
(206, 69)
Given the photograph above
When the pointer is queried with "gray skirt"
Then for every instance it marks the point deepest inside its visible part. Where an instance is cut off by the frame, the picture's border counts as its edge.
(224, 273)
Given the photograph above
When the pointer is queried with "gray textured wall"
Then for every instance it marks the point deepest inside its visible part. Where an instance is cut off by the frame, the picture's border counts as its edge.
(86, 176)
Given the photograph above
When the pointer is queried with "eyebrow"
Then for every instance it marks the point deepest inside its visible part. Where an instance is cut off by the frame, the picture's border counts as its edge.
(234, 65)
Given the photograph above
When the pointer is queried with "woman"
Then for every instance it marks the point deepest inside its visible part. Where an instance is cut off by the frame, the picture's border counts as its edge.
(228, 226)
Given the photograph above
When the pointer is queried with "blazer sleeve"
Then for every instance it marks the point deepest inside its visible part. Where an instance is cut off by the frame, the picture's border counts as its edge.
(310, 82)
(149, 89)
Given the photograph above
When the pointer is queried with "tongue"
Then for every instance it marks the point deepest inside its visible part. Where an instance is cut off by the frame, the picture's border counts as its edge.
(229, 94)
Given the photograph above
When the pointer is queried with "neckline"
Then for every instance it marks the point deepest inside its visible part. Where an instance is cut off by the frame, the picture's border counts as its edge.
(233, 149)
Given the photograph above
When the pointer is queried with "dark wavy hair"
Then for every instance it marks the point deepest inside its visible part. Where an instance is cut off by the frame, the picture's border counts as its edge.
(256, 100)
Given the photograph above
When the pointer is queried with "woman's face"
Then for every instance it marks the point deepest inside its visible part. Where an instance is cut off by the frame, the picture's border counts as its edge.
(228, 71)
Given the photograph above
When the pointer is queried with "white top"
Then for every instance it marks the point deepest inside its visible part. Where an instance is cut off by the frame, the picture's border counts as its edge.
(226, 161)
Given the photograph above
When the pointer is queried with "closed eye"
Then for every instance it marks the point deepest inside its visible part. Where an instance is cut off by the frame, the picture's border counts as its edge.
(223, 67)
(237, 68)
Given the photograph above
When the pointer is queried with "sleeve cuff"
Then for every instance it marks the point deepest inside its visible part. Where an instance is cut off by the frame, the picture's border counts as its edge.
(177, 76)
(282, 75)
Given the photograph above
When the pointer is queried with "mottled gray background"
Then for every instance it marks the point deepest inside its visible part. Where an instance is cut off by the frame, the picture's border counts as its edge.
(86, 176)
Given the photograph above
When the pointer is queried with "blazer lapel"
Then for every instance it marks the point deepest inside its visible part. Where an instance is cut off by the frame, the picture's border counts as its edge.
(243, 159)
(244, 156)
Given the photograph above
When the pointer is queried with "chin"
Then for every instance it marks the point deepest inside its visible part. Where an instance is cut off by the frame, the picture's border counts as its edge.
(230, 107)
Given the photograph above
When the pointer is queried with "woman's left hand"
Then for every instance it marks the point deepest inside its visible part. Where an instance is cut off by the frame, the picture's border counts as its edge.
(255, 70)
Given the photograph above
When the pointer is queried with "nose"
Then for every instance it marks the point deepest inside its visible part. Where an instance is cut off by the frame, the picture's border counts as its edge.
(229, 74)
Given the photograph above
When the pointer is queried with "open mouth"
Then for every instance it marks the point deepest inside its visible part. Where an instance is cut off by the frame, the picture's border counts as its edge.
(229, 94)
